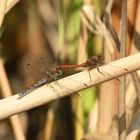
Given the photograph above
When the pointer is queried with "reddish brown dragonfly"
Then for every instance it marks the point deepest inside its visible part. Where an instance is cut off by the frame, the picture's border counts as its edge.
(53, 75)
(93, 62)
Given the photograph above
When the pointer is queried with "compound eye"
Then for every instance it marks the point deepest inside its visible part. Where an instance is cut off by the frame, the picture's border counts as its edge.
(59, 72)
(100, 57)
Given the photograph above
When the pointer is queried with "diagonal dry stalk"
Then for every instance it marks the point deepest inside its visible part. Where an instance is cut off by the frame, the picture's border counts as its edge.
(10, 4)
(95, 25)
(5, 6)
(2, 10)
(122, 85)
(12, 105)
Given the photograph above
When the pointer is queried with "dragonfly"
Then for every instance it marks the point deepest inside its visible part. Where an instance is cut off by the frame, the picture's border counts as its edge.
(50, 76)
(53, 75)
(93, 62)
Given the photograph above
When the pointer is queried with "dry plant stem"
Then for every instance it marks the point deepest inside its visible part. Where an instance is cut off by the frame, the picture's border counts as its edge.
(81, 56)
(6, 91)
(132, 12)
(5, 6)
(2, 10)
(109, 7)
(109, 26)
(3, 79)
(10, 4)
(100, 27)
(122, 86)
(49, 124)
(74, 83)
(136, 82)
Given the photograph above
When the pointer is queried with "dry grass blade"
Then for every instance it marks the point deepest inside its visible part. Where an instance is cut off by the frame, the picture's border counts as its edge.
(134, 125)
(2, 10)
(5, 6)
(133, 129)
(13, 105)
(109, 26)
(6, 91)
(136, 83)
(122, 86)
(5, 87)
(95, 25)
(10, 4)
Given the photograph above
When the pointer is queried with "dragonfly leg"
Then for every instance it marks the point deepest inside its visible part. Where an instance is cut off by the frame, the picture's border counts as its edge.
(100, 71)
(49, 85)
(89, 75)
(104, 74)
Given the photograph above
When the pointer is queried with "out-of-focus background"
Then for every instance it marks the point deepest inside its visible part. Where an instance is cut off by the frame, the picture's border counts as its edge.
(46, 33)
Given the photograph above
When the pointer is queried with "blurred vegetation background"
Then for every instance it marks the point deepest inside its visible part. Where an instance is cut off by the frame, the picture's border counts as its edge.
(55, 30)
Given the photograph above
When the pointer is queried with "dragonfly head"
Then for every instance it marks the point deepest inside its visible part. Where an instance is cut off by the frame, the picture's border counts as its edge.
(59, 72)
(100, 59)
(54, 74)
